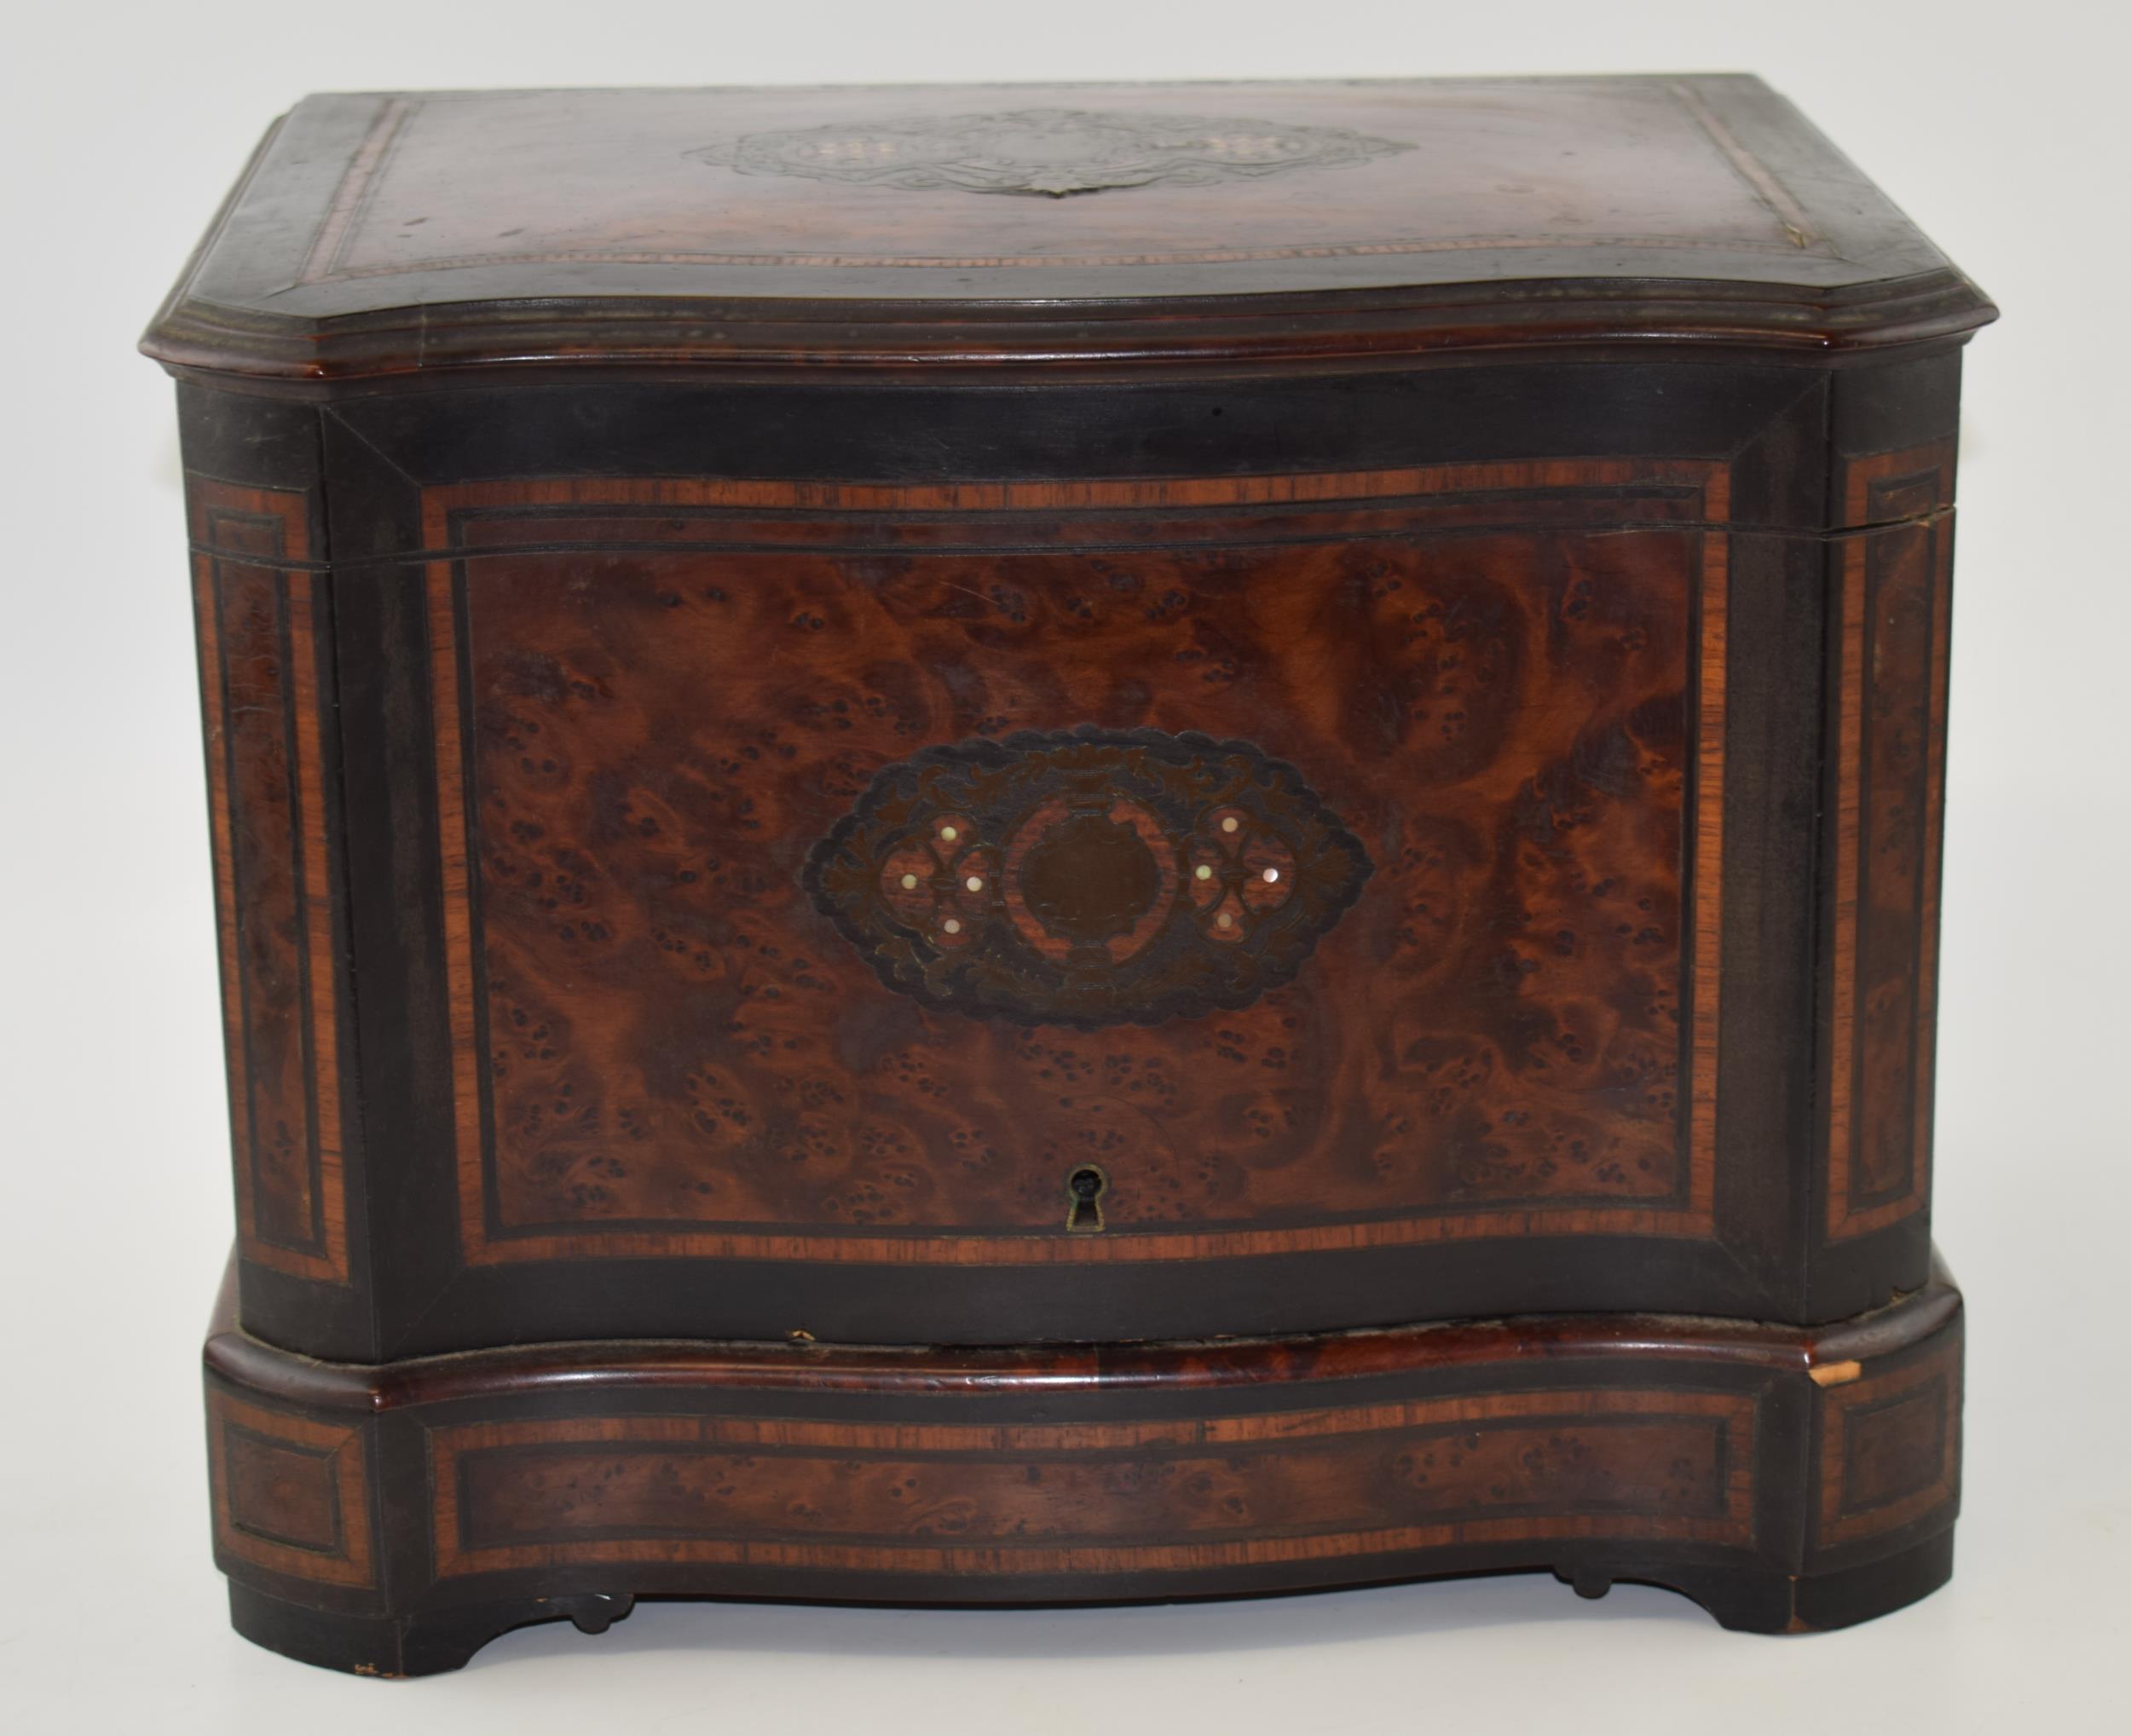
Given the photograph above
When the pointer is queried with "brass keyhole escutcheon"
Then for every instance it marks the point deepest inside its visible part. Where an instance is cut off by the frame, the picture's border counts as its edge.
(1084, 1189)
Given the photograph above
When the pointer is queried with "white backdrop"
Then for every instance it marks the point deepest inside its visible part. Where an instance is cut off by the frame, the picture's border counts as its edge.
(2002, 130)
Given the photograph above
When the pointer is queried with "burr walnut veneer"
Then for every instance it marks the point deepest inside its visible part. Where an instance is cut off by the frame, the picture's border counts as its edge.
(1040, 843)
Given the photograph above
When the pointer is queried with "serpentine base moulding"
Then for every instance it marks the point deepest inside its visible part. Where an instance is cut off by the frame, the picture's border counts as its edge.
(1039, 844)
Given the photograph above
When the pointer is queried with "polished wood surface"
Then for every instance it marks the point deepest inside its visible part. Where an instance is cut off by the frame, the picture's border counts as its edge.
(292, 1496)
(654, 1031)
(621, 1368)
(601, 725)
(398, 232)
(1612, 1447)
(1897, 596)
(260, 687)
(1018, 844)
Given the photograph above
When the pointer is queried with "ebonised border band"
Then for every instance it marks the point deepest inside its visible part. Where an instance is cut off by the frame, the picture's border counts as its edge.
(1831, 1356)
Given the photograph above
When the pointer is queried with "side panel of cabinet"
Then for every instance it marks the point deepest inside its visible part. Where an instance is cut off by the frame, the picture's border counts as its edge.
(1883, 780)
(263, 599)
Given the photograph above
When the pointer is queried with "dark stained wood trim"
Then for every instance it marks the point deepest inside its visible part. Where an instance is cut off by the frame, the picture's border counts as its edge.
(1767, 419)
(1832, 1356)
(836, 340)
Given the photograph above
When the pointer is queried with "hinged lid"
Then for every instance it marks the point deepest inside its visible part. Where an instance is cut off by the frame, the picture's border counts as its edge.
(1041, 226)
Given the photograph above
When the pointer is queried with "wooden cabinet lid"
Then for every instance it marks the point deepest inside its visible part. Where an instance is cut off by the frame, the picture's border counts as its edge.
(1046, 226)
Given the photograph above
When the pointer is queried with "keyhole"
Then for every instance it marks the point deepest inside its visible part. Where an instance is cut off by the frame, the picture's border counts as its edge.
(1084, 1188)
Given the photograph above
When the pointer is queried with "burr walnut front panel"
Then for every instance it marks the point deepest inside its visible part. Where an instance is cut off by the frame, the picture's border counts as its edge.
(656, 701)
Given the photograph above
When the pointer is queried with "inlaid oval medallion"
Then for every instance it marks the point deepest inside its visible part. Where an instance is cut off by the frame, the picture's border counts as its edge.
(1086, 877)
(1052, 152)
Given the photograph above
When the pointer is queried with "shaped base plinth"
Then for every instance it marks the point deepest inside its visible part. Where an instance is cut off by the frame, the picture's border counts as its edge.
(392, 1520)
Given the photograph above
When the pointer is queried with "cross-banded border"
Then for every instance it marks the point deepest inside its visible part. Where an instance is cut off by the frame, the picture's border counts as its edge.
(1691, 1214)
(1096, 1498)
(267, 805)
(1896, 585)
(291, 1494)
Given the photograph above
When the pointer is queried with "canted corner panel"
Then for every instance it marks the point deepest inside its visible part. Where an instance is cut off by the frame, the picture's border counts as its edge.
(1092, 1499)
(260, 687)
(685, 731)
(1890, 1447)
(1906, 483)
(1896, 586)
(291, 1494)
